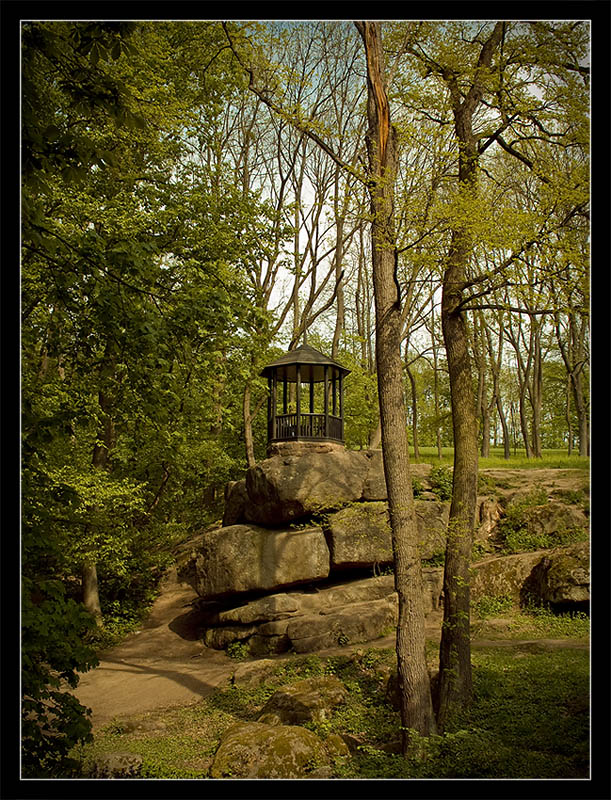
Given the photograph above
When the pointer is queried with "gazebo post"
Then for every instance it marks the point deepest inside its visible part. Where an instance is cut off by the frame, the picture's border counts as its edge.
(274, 402)
(341, 403)
(326, 400)
(298, 431)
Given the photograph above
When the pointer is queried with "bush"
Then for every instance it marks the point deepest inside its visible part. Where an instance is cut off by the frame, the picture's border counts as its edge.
(488, 606)
(53, 652)
(441, 479)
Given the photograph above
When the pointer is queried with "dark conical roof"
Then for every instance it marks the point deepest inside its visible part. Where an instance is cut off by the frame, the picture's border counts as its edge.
(286, 365)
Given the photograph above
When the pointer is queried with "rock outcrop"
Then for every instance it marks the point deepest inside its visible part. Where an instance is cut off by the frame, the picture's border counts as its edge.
(309, 700)
(297, 562)
(245, 558)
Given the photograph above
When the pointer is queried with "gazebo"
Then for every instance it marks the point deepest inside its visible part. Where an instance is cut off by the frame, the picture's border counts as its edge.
(306, 400)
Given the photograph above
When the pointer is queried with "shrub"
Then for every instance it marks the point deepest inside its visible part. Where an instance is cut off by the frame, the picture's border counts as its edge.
(488, 606)
(239, 651)
(53, 652)
(441, 482)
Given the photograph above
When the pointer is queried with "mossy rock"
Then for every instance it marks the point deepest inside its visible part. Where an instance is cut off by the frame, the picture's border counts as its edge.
(257, 750)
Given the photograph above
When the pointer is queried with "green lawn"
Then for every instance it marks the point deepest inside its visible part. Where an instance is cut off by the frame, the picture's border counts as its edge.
(552, 459)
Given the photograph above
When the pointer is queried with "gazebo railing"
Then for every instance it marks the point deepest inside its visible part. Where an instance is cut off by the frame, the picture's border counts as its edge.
(311, 426)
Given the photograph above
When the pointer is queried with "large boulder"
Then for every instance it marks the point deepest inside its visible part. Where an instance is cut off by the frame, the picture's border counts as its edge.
(360, 535)
(360, 622)
(258, 750)
(246, 558)
(561, 578)
(310, 620)
(309, 700)
(282, 489)
(504, 576)
(554, 518)
(375, 482)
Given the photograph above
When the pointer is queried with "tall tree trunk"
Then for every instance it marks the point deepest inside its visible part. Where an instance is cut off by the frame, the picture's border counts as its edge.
(100, 460)
(582, 414)
(435, 380)
(455, 678)
(414, 392)
(413, 678)
(536, 391)
(339, 261)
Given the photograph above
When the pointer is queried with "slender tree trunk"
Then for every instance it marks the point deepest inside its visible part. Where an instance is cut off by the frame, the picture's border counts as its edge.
(91, 596)
(248, 437)
(455, 677)
(412, 382)
(582, 415)
(536, 392)
(413, 677)
(339, 261)
(100, 460)
(505, 427)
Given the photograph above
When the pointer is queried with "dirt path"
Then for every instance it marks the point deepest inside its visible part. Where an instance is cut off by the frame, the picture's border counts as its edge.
(165, 664)
(160, 666)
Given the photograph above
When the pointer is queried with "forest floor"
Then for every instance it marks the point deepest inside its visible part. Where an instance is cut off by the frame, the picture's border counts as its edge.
(164, 664)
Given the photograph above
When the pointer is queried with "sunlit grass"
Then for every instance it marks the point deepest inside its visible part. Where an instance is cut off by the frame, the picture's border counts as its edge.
(552, 459)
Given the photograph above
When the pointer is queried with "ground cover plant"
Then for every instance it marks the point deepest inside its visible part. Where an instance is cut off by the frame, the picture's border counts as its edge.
(529, 719)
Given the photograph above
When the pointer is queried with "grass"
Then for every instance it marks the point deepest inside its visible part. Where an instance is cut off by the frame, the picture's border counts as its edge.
(529, 717)
(532, 622)
(552, 459)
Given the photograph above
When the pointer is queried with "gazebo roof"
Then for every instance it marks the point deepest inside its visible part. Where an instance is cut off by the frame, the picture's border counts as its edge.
(286, 365)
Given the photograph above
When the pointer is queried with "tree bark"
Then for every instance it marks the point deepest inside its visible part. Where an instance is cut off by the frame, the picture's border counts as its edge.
(412, 382)
(455, 682)
(413, 678)
(248, 437)
(91, 596)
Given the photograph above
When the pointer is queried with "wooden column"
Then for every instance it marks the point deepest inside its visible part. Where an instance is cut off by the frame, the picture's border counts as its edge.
(269, 408)
(326, 395)
(312, 393)
(334, 383)
(298, 399)
(274, 405)
(341, 404)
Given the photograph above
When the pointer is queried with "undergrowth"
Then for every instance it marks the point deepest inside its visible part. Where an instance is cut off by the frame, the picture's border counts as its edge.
(529, 719)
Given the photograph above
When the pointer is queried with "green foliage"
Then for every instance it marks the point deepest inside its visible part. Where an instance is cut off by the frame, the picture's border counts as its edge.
(545, 622)
(239, 651)
(488, 606)
(53, 652)
(441, 479)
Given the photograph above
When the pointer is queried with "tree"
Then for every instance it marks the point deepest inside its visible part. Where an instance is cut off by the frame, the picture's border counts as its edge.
(414, 684)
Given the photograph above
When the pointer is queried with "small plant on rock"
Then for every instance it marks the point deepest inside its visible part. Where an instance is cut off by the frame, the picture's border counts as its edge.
(239, 651)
